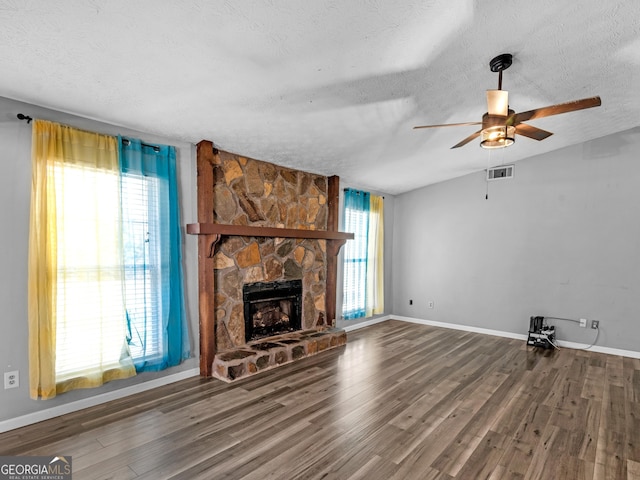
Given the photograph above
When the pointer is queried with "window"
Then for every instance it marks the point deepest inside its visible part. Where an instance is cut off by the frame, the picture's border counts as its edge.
(105, 274)
(154, 293)
(363, 286)
(89, 300)
(142, 267)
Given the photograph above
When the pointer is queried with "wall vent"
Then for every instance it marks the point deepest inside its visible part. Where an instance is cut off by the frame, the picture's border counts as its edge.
(500, 173)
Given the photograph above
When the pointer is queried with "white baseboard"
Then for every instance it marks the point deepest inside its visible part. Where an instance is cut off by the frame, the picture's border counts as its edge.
(518, 336)
(53, 412)
(466, 328)
(373, 321)
(596, 348)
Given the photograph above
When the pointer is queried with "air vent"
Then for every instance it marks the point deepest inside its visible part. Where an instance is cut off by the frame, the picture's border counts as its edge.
(500, 173)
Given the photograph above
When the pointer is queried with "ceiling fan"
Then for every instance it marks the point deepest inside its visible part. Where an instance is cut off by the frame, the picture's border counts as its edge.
(500, 124)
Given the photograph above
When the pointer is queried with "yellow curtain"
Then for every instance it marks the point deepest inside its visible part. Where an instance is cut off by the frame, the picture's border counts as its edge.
(375, 258)
(77, 322)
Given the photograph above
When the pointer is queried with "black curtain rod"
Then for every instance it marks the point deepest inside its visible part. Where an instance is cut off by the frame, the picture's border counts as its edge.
(156, 148)
(345, 189)
(126, 140)
(24, 117)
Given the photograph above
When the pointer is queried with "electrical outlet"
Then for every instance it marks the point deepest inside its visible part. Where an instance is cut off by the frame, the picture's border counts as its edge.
(583, 322)
(430, 304)
(11, 379)
(595, 324)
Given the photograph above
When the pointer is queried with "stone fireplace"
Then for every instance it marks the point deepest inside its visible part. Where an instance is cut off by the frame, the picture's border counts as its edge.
(264, 229)
(251, 192)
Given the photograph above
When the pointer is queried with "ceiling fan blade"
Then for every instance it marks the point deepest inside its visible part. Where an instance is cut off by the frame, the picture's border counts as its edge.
(449, 125)
(498, 102)
(554, 110)
(532, 132)
(468, 139)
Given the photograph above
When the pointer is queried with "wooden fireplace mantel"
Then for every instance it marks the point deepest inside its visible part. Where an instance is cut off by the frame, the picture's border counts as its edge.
(252, 231)
(209, 234)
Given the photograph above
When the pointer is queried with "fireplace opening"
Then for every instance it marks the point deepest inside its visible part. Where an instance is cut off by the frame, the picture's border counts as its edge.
(272, 308)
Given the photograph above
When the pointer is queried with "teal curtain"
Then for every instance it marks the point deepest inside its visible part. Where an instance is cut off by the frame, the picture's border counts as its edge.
(356, 221)
(154, 293)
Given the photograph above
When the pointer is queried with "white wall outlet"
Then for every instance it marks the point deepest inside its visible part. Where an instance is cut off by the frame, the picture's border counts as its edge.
(430, 304)
(11, 379)
(583, 322)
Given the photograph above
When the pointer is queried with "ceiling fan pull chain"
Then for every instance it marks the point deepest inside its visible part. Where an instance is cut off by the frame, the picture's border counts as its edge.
(486, 177)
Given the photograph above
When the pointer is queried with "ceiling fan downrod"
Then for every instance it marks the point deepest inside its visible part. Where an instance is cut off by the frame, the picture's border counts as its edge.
(500, 63)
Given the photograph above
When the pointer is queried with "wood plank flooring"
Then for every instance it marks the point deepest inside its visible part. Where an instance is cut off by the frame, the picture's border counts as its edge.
(400, 401)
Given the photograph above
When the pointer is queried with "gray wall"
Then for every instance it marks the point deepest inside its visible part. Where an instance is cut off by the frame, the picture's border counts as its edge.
(15, 190)
(561, 239)
(389, 208)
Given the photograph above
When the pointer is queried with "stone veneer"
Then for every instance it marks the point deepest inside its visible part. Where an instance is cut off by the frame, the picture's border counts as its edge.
(257, 193)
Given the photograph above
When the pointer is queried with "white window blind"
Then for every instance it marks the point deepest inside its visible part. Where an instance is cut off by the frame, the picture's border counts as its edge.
(142, 263)
(355, 263)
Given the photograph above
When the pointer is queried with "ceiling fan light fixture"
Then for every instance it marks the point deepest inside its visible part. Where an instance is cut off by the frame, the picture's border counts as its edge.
(497, 102)
(498, 136)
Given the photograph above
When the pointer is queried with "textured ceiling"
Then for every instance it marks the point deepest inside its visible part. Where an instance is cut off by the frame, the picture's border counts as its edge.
(327, 86)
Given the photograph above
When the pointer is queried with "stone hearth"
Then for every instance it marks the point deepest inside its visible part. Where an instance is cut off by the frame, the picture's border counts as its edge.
(267, 353)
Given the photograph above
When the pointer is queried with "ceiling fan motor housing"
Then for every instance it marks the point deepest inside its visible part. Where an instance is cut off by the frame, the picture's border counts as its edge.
(489, 120)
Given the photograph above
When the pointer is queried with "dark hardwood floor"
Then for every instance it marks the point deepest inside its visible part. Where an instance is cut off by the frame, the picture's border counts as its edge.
(400, 401)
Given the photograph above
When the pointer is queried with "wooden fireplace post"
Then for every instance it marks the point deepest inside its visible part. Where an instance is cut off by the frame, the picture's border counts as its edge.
(333, 248)
(206, 250)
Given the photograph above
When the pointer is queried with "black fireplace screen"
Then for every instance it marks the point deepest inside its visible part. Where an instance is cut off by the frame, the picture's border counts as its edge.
(272, 308)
